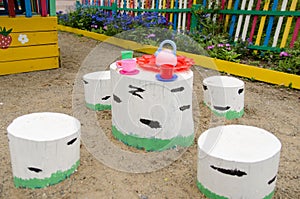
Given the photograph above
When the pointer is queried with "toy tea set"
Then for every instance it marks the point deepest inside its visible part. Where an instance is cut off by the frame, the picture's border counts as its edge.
(164, 62)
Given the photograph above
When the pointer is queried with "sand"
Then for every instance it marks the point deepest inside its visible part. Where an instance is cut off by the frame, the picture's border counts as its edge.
(270, 107)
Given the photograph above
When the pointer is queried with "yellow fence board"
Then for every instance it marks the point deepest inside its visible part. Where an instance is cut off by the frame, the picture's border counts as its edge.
(33, 38)
(243, 70)
(30, 52)
(28, 65)
(32, 24)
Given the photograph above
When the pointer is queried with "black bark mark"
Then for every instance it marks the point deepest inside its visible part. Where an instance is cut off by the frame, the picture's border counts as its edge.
(180, 89)
(233, 172)
(205, 87)
(106, 97)
(221, 108)
(136, 91)
(71, 141)
(37, 170)
(185, 107)
(152, 124)
(117, 99)
(85, 82)
(272, 180)
(240, 91)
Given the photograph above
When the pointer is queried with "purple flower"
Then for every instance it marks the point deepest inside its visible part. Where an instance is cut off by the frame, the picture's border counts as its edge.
(228, 48)
(210, 47)
(150, 36)
(220, 45)
(283, 54)
(227, 45)
(94, 26)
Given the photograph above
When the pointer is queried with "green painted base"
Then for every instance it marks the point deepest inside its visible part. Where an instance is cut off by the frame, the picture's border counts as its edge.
(152, 144)
(212, 195)
(98, 107)
(40, 183)
(229, 115)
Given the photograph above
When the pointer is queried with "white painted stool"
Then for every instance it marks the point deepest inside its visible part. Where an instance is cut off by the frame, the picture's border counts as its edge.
(44, 148)
(224, 96)
(97, 90)
(151, 114)
(237, 161)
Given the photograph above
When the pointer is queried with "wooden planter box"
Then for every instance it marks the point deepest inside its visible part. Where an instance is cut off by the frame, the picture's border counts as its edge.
(34, 44)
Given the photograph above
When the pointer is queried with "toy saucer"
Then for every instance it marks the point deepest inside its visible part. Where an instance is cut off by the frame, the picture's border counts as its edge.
(134, 72)
(158, 77)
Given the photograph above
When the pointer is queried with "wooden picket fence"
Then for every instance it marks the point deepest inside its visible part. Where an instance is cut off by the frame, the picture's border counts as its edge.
(28, 7)
(268, 24)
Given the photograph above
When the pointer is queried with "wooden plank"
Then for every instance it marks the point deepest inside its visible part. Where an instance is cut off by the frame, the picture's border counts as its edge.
(254, 21)
(222, 8)
(34, 38)
(175, 16)
(33, 24)
(189, 17)
(171, 14)
(295, 33)
(288, 25)
(179, 17)
(227, 16)
(270, 24)
(184, 15)
(262, 24)
(44, 12)
(164, 4)
(11, 8)
(279, 23)
(239, 24)
(28, 11)
(247, 21)
(30, 52)
(233, 18)
(168, 7)
(28, 65)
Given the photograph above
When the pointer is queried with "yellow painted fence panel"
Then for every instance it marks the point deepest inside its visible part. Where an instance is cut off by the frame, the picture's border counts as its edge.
(33, 38)
(32, 24)
(28, 65)
(30, 52)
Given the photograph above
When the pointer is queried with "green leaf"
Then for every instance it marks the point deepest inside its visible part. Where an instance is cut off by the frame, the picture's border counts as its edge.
(5, 32)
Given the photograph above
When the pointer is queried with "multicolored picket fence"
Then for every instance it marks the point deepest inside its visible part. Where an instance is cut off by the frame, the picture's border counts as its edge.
(28, 36)
(268, 24)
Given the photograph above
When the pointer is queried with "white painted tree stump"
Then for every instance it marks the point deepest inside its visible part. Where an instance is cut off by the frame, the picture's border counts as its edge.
(151, 114)
(224, 96)
(97, 90)
(237, 161)
(44, 148)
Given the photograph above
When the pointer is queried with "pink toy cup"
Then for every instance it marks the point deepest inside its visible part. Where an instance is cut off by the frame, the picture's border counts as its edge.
(166, 71)
(128, 65)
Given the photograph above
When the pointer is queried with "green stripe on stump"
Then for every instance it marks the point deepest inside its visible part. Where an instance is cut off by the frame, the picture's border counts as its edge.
(152, 144)
(40, 183)
(98, 107)
(213, 195)
(229, 115)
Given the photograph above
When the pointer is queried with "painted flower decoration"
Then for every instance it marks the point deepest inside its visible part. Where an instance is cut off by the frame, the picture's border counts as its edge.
(23, 38)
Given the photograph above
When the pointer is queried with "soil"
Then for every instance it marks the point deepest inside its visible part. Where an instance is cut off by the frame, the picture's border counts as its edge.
(273, 108)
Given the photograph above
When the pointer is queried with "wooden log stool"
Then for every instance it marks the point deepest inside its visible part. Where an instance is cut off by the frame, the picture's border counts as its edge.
(44, 148)
(237, 161)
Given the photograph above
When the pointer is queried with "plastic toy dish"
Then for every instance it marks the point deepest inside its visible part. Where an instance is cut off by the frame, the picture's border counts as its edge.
(147, 62)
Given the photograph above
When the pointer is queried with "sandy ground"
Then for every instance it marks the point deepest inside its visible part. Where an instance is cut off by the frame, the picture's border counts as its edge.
(269, 107)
